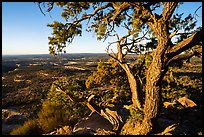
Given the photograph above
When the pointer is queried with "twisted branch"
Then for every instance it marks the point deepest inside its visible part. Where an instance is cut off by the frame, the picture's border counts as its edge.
(81, 100)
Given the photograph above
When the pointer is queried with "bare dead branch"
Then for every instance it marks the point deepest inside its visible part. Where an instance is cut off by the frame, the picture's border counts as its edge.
(40, 8)
(195, 13)
(173, 34)
(88, 103)
(89, 15)
(134, 41)
(70, 96)
(108, 32)
(184, 33)
(141, 83)
(128, 14)
(113, 55)
(116, 59)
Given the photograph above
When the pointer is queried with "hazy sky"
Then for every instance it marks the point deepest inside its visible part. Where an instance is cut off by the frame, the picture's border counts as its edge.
(24, 29)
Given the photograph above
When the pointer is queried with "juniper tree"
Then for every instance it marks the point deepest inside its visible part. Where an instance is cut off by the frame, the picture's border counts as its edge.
(141, 23)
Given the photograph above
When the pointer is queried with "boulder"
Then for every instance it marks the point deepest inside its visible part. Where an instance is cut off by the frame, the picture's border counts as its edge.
(11, 120)
(15, 119)
(90, 124)
(6, 129)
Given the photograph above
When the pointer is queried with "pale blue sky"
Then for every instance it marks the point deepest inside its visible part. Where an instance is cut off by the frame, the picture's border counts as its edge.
(24, 29)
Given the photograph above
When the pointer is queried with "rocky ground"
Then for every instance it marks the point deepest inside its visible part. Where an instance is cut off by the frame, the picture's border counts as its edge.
(11, 120)
(180, 113)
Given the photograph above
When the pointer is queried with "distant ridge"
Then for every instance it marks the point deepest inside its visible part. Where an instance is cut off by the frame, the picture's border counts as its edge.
(46, 54)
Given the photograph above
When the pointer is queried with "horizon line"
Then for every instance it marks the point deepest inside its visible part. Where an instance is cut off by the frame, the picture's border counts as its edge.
(62, 53)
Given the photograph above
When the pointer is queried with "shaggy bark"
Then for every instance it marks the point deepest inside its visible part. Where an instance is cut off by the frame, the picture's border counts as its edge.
(153, 80)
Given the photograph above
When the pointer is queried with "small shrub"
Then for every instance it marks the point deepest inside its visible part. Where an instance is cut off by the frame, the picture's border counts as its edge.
(104, 132)
(136, 114)
(51, 116)
(100, 77)
(30, 127)
(110, 74)
(58, 110)
(200, 133)
(148, 60)
(66, 130)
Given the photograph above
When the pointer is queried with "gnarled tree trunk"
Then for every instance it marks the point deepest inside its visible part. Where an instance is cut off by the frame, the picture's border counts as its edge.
(131, 79)
(153, 82)
(133, 86)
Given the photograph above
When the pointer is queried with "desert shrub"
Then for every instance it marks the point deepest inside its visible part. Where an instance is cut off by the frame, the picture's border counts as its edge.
(110, 73)
(51, 116)
(148, 60)
(200, 133)
(100, 131)
(66, 130)
(134, 120)
(58, 110)
(135, 114)
(176, 84)
(100, 77)
(119, 79)
(30, 127)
